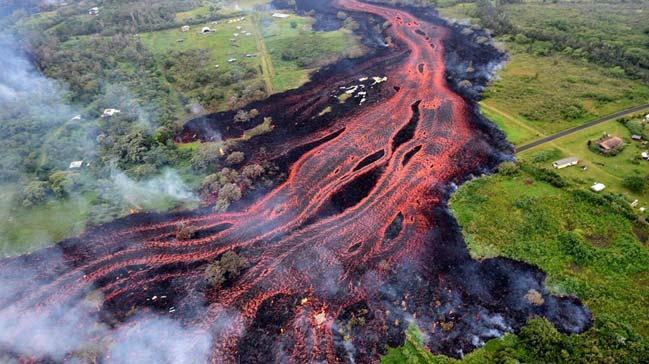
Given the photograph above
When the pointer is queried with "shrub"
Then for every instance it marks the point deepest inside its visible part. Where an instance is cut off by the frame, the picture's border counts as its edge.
(508, 169)
(228, 267)
(637, 184)
(235, 158)
(185, 232)
(573, 245)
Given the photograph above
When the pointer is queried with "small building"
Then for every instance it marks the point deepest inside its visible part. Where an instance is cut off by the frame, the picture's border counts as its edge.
(598, 187)
(645, 155)
(636, 137)
(646, 118)
(232, 60)
(635, 203)
(280, 15)
(110, 112)
(76, 118)
(566, 162)
(76, 164)
(93, 11)
(610, 144)
(184, 28)
(206, 30)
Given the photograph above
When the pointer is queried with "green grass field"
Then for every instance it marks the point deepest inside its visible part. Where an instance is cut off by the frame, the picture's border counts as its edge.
(509, 216)
(23, 230)
(553, 93)
(608, 170)
(587, 249)
(269, 38)
(537, 95)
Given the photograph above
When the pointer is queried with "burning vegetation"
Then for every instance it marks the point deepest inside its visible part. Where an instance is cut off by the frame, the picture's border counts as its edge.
(335, 263)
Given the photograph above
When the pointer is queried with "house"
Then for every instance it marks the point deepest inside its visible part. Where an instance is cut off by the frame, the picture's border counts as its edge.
(184, 28)
(636, 137)
(76, 164)
(280, 15)
(635, 203)
(645, 155)
(646, 118)
(610, 144)
(206, 30)
(76, 118)
(110, 112)
(93, 11)
(566, 162)
(232, 60)
(598, 187)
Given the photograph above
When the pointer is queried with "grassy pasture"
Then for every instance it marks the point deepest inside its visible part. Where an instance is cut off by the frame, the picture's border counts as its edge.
(609, 170)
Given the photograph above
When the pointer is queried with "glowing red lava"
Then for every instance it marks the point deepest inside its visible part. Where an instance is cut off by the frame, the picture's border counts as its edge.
(350, 249)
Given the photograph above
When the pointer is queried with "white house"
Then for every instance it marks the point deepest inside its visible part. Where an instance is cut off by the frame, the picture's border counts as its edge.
(93, 11)
(76, 164)
(110, 112)
(598, 187)
(206, 30)
(566, 162)
(280, 15)
(646, 118)
(645, 155)
(184, 28)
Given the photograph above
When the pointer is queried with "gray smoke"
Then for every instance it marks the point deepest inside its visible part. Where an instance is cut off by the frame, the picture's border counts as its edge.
(168, 185)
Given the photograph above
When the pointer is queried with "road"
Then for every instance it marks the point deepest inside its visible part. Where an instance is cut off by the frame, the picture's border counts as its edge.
(264, 56)
(589, 124)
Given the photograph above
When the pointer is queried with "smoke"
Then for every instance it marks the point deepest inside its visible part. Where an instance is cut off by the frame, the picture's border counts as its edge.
(151, 192)
(63, 330)
(159, 340)
(24, 87)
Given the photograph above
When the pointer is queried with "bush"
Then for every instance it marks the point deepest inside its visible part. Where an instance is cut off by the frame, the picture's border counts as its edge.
(508, 169)
(235, 158)
(637, 184)
(227, 268)
(34, 193)
(185, 232)
(574, 246)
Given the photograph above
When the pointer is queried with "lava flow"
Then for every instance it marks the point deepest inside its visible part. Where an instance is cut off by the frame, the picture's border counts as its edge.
(356, 245)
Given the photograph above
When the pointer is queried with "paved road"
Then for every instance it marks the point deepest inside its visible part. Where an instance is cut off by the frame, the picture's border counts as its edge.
(597, 121)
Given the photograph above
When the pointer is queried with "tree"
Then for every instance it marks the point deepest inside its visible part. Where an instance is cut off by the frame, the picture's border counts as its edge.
(232, 263)
(637, 184)
(62, 182)
(227, 268)
(34, 193)
(206, 156)
(235, 158)
(215, 275)
(253, 171)
(185, 232)
(230, 192)
(241, 116)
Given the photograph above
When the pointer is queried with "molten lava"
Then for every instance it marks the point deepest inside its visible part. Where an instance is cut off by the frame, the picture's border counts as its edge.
(354, 246)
